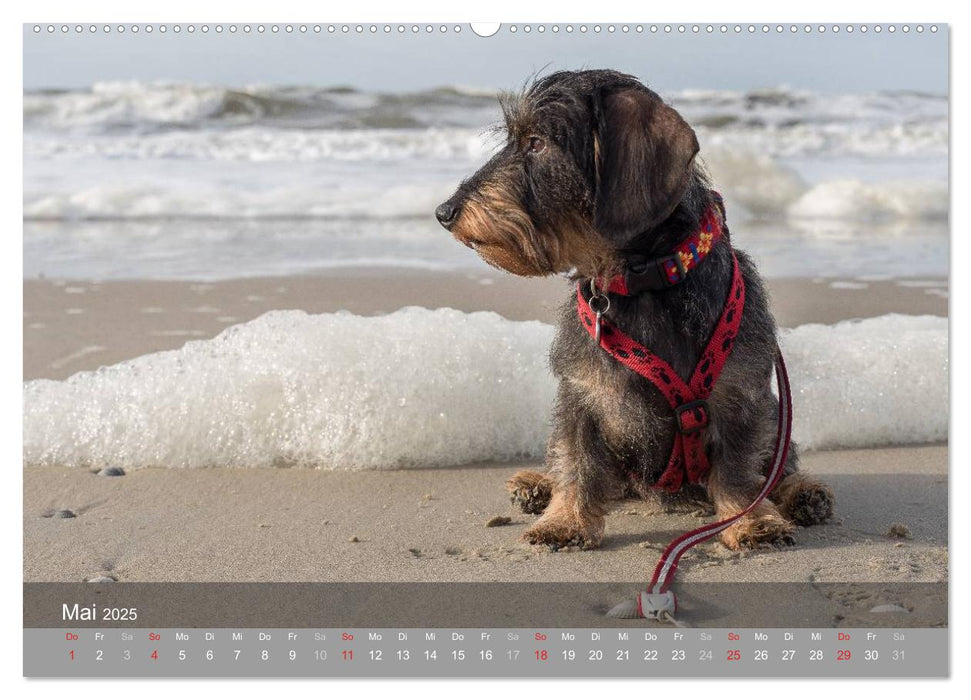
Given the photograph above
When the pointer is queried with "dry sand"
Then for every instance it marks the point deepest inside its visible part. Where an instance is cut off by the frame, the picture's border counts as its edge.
(430, 525)
(425, 525)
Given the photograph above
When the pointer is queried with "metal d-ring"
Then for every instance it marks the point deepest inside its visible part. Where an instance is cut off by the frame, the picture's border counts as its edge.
(598, 299)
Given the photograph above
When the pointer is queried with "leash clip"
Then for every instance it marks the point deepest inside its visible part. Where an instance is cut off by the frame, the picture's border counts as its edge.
(596, 300)
(651, 606)
(658, 606)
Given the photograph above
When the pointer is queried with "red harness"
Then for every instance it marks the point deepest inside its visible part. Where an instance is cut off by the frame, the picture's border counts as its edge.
(687, 399)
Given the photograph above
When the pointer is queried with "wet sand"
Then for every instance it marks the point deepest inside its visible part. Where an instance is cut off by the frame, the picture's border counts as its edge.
(74, 326)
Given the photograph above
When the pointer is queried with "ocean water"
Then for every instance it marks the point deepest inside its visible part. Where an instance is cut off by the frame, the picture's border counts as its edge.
(185, 181)
(424, 388)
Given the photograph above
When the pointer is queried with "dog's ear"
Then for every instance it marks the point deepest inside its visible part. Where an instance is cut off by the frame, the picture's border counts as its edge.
(643, 152)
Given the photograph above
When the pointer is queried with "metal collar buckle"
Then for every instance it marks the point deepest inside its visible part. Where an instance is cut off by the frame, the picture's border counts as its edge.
(599, 304)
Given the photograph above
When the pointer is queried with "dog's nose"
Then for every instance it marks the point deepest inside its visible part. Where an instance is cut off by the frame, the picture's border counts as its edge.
(446, 214)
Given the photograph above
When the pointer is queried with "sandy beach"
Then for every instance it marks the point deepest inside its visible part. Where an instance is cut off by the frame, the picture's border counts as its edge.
(429, 525)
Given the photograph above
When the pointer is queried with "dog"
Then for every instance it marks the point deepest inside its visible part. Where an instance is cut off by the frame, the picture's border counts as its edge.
(597, 173)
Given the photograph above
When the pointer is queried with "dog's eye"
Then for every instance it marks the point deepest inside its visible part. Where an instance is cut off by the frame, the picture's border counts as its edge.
(536, 145)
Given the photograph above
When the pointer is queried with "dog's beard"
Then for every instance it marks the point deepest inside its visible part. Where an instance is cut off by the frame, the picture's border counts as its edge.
(506, 237)
(501, 233)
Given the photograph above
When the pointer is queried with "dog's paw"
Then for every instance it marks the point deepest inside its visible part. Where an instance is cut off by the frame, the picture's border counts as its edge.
(811, 506)
(557, 533)
(530, 491)
(804, 500)
(756, 531)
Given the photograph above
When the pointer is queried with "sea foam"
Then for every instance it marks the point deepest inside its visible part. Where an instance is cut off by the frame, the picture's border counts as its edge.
(413, 388)
(431, 388)
(878, 381)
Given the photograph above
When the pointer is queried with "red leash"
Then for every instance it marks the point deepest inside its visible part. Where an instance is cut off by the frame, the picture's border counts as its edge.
(687, 399)
(659, 601)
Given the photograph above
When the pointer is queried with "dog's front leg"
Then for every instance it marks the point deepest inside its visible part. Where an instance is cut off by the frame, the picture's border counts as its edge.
(579, 479)
(567, 521)
(732, 486)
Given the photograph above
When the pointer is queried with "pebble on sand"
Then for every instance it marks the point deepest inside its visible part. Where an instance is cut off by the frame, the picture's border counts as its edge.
(498, 521)
(112, 471)
(889, 608)
(102, 579)
(63, 514)
(353, 539)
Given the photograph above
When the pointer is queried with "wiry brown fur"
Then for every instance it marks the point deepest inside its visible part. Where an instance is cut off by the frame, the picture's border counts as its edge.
(596, 169)
(504, 236)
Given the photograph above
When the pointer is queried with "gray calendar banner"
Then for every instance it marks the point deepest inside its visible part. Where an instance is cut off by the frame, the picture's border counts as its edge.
(513, 652)
(471, 605)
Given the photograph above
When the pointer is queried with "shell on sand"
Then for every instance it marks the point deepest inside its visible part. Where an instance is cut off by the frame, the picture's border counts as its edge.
(625, 611)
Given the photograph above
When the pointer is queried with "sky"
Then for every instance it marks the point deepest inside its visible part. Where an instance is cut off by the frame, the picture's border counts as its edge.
(826, 63)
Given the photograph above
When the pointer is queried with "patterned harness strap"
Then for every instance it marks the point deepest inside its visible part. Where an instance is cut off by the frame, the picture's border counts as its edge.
(686, 399)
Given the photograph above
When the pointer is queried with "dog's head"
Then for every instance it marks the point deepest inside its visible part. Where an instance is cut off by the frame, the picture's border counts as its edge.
(592, 160)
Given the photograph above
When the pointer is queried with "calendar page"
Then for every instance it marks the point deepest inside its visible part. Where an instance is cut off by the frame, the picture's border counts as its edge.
(612, 350)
